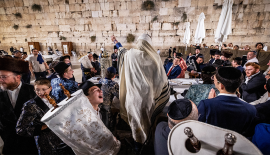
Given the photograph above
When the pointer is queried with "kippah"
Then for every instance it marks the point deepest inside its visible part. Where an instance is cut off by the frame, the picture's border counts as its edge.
(179, 54)
(210, 69)
(114, 47)
(230, 73)
(179, 109)
(111, 70)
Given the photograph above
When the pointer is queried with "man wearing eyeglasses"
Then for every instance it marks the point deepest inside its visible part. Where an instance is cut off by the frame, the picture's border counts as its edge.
(12, 97)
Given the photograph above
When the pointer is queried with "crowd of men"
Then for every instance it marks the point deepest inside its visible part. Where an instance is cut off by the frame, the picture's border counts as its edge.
(234, 95)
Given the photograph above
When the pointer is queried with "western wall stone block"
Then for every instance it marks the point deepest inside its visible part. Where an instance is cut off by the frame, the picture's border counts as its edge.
(62, 8)
(113, 13)
(24, 10)
(11, 10)
(267, 7)
(111, 6)
(123, 13)
(18, 3)
(96, 14)
(167, 33)
(123, 6)
(133, 13)
(142, 19)
(184, 3)
(2, 11)
(194, 3)
(163, 11)
(121, 27)
(167, 26)
(142, 26)
(155, 26)
(97, 6)
(258, 8)
(9, 3)
(106, 13)
(107, 27)
(26, 2)
(131, 27)
(87, 14)
(239, 31)
(64, 27)
(129, 5)
(145, 13)
(78, 28)
(201, 3)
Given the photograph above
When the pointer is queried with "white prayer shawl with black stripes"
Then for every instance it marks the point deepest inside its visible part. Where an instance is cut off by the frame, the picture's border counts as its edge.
(144, 89)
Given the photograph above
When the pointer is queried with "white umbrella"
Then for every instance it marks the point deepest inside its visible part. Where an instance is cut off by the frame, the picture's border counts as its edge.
(187, 34)
(225, 23)
(200, 31)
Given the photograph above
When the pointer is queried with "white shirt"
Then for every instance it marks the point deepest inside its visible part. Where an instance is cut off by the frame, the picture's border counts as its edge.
(21, 49)
(13, 94)
(251, 60)
(35, 64)
(231, 95)
(47, 103)
(268, 98)
(158, 52)
(248, 78)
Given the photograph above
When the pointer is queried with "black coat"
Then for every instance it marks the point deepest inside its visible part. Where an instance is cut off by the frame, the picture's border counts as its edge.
(29, 125)
(254, 89)
(13, 143)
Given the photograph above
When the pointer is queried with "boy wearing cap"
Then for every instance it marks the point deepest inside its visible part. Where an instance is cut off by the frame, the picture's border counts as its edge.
(179, 110)
(226, 110)
(12, 97)
(29, 124)
(227, 55)
(110, 90)
(17, 54)
(66, 74)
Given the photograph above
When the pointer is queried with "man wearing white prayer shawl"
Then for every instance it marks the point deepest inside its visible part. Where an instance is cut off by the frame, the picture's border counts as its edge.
(144, 88)
(87, 67)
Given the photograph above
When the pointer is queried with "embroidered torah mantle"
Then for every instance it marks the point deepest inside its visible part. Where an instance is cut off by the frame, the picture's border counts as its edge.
(76, 122)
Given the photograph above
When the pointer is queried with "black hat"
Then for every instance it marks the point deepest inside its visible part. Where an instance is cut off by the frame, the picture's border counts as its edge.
(16, 51)
(209, 69)
(217, 52)
(95, 56)
(114, 47)
(227, 54)
(218, 63)
(86, 85)
(213, 51)
(62, 58)
(61, 67)
(179, 109)
(25, 53)
(198, 47)
(230, 73)
(179, 54)
(14, 65)
(169, 56)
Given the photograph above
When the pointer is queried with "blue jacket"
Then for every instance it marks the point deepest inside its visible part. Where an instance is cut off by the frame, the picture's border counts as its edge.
(175, 72)
(211, 61)
(227, 112)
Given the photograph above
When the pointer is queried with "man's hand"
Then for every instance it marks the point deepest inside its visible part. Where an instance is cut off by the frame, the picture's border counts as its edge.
(32, 74)
(113, 38)
(193, 71)
(49, 72)
(268, 63)
(44, 127)
(212, 94)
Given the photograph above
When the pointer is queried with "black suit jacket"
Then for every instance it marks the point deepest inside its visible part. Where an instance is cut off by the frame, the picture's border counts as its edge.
(254, 89)
(13, 143)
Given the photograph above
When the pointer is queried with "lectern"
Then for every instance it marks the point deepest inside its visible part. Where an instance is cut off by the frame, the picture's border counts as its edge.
(66, 48)
(32, 45)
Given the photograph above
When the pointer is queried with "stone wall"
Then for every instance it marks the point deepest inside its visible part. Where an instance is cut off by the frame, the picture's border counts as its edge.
(78, 20)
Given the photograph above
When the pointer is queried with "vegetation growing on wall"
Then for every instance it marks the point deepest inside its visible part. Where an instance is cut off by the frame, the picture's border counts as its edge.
(93, 38)
(15, 26)
(155, 18)
(148, 5)
(36, 7)
(63, 38)
(18, 15)
(184, 17)
(130, 38)
(28, 26)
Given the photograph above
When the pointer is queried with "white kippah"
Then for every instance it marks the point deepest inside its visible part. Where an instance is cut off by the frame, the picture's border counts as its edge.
(146, 38)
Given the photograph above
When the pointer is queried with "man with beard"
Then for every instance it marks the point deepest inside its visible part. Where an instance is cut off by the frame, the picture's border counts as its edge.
(253, 86)
(144, 89)
(14, 95)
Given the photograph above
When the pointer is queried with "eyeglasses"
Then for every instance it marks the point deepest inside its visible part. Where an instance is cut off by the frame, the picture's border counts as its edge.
(41, 90)
(4, 77)
(213, 77)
